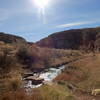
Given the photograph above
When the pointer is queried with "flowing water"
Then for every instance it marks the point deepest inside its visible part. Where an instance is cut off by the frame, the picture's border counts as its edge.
(48, 76)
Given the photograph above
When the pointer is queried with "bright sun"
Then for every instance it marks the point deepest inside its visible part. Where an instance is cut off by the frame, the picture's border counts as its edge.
(42, 6)
(41, 3)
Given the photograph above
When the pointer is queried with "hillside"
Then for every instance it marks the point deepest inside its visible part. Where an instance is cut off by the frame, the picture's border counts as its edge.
(88, 38)
(83, 77)
(7, 38)
(31, 55)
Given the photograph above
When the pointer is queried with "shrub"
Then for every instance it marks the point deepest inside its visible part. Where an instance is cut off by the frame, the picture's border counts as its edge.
(14, 84)
(61, 82)
(23, 55)
(6, 60)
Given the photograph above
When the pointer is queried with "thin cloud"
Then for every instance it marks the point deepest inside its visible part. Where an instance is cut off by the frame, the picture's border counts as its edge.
(74, 24)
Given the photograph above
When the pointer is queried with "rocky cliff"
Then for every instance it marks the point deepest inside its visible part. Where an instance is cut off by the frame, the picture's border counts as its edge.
(88, 38)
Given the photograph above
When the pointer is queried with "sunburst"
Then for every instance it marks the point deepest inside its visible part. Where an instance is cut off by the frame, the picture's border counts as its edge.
(42, 6)
(41, 3)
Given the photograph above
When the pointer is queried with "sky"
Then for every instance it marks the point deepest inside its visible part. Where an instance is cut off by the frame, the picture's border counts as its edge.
(25, 18)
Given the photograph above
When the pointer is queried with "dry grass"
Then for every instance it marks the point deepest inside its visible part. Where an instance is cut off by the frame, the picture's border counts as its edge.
(92, 69)
(85, 74)
(51, 57)
(46, 92)
(18, 95)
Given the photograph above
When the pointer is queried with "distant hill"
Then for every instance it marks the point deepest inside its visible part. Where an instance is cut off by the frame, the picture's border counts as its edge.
(7, 38)
(88, 38)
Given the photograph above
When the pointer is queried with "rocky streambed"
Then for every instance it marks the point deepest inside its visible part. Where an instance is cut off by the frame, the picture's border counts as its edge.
(38, 79)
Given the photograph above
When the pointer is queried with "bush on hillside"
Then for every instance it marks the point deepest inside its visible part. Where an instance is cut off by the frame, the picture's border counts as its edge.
(6, 60)
(14, 85)
(23, 55)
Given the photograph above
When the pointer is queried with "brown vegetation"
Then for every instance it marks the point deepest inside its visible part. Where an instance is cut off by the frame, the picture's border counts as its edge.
(46, 92)
(84, 75)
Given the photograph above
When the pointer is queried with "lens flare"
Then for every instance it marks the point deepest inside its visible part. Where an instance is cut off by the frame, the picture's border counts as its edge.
(42, 5)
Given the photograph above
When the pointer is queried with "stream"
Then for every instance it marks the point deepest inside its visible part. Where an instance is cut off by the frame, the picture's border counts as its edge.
(47, 75)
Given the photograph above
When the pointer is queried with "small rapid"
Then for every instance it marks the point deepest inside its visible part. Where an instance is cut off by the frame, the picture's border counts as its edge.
(47, 77)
